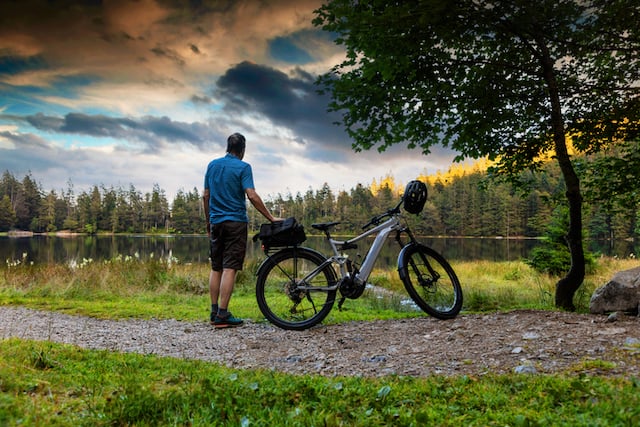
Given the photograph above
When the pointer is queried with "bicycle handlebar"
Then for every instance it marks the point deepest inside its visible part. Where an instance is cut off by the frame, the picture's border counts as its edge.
(376, 219)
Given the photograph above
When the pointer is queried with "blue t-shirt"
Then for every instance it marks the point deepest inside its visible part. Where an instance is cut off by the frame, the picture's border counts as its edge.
(227, 178)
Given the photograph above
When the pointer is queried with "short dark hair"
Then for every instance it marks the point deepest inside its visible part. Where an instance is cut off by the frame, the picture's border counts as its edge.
(236, 143)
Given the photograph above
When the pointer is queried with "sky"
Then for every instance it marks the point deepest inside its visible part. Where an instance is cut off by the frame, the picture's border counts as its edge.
(122, 92)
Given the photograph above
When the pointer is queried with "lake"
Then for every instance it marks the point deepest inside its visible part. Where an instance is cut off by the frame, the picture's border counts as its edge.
(194, 249)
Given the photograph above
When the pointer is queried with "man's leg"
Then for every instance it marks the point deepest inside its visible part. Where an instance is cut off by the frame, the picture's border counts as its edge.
(214, 291)
(233, 254)
(225, 319)
(227, 283)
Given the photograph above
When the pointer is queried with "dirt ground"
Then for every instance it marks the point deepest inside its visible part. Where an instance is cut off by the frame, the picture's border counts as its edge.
(476, 344)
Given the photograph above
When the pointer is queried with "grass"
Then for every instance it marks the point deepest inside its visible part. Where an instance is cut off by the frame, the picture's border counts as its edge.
(43, 383)
(51, 384)
(128, 287)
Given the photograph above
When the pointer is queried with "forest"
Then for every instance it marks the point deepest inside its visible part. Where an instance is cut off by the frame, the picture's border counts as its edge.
(462, 202)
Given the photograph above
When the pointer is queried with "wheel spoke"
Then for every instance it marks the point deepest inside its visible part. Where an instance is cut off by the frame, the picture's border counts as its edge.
(289, 295)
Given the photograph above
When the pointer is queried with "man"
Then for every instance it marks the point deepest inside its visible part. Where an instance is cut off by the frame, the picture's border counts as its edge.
(227, 180)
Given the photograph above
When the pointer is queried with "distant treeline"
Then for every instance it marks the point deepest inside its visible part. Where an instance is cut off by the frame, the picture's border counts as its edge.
(462, 202)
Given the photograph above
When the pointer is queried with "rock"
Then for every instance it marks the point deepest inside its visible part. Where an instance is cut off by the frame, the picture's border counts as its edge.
(622, 293)
(525, 369)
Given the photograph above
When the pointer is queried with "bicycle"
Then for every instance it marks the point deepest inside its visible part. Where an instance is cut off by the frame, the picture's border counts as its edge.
(297, 286)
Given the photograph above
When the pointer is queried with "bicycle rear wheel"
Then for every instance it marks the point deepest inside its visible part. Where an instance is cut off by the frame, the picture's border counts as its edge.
(280, 289)
(430, 281)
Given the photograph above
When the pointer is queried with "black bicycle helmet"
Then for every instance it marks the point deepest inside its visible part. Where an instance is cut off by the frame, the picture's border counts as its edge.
(415, 196)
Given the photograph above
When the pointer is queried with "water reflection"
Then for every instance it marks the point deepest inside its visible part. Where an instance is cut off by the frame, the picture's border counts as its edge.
(56, 249)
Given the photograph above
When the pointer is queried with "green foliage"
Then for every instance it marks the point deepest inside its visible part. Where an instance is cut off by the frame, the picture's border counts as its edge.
(484, 77)
(101, 209)
(552, 255)
(7, 213)
(84, 387)
(550, 258)
(609, 178)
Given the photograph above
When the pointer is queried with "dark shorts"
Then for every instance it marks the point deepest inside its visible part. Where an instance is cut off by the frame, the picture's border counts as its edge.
(228, 245)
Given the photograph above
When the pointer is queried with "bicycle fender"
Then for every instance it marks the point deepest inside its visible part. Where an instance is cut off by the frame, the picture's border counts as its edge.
(401, 256)
(263, 265)
(268, 261)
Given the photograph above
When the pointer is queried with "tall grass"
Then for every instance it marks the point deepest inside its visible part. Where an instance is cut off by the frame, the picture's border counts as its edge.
(166, 288)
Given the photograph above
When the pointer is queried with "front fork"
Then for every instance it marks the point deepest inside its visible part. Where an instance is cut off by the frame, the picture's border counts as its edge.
(434, 274)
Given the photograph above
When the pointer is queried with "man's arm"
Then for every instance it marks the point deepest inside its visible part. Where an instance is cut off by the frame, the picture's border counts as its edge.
(205, 203)
(257, 202)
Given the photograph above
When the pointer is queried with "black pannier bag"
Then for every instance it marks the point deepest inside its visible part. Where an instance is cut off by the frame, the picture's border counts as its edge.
(281, 234)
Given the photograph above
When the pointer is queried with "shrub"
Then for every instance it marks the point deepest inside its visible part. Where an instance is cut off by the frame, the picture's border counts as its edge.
(553, 256)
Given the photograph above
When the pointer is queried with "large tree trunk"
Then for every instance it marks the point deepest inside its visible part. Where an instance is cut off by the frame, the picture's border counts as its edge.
(569, 284)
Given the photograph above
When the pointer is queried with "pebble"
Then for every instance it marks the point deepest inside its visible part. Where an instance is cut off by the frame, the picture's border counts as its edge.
(376, 359)
(632, 344)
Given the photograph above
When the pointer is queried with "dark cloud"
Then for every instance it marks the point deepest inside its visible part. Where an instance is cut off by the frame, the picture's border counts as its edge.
(164, 52)
(150, 130)
(283, 49)
(201, 99)
(302, 47)
(287, 100)
(195, 133)
(25, 141)
(42, 122)
(292, 101)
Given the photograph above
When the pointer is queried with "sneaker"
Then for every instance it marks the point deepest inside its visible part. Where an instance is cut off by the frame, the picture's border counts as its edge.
(227, 322)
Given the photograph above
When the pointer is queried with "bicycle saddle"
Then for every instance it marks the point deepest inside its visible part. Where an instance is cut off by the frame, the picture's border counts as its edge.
(324, 226)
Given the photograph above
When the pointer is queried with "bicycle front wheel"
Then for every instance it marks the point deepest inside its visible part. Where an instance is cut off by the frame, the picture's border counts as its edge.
(430, 281)
(293, 290)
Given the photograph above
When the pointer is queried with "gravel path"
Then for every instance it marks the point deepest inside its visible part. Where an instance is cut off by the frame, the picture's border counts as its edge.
(529, 341)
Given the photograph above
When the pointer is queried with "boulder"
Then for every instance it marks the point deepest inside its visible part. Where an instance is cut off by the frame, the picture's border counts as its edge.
(621, 293)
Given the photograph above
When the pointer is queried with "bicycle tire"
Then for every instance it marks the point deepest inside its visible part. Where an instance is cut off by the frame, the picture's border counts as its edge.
(276, 294)
(441, 296)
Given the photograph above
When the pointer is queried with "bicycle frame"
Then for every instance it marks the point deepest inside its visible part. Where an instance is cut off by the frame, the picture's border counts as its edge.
(383, 230)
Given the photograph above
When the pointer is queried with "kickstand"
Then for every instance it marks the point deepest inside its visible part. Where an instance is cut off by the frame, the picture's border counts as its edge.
(340, 303)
